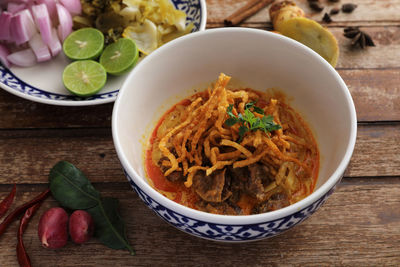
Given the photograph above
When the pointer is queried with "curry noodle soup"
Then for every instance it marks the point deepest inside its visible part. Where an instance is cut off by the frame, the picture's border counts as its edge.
(232, 152)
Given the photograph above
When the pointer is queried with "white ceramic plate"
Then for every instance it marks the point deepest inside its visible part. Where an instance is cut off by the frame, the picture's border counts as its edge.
(42, 82)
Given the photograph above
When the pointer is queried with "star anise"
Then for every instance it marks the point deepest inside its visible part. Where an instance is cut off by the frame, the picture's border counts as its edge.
(358, 37)
(326, 18)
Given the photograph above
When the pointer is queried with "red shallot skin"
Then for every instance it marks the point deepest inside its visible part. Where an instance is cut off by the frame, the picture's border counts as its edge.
(81, 226)
(53, 228)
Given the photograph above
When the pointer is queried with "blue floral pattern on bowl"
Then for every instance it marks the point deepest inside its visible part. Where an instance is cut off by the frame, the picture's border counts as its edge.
(225, 232)
(9, 80)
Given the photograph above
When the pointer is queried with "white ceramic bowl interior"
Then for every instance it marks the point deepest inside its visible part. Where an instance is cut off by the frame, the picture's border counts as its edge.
(256, 59)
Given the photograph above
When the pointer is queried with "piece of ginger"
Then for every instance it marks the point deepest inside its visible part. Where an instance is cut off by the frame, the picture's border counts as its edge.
(289, 20)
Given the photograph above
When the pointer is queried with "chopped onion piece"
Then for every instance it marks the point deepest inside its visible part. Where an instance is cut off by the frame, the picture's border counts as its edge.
(73, 6)
(23, 58)
(22, 27)
(65, 19)
(55, 45)
(5, 21)
(15, 7)
(39, 48)
(19, 1)
(51, 7)
(42, 18)
(3, 56)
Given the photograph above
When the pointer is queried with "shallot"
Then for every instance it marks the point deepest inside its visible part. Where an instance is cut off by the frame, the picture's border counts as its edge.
(15, 7)
(73, 6)
(5, 21)
(22, 27)
(65, 19)
(39, 48)
(53, 228)
(51, 7)
(81, 226)
(32, 31)
(55, 45)
(4, 52)
(23, 58)
(43, 22)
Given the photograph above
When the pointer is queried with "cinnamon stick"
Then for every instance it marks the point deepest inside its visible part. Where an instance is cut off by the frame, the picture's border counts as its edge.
(252, 7)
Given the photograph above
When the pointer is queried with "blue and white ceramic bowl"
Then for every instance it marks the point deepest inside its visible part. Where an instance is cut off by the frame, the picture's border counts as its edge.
(254, 58)
(43, 82)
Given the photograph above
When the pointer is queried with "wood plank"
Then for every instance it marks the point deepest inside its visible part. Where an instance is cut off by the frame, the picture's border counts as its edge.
(385, 54)
(359, 225)
(29, 160)
(367, 10)
(27, 156)
(21, 113)
(377, 151)
(376, 93)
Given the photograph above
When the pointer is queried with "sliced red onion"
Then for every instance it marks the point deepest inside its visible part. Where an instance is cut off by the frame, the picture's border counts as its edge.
(4, 3)
(51, 7)
(55, 45)
(73, 6)
(65, 19)
(40, 49)
(5, 21)
(15, 7)
(42, 18)
(23, 58)
(4, 52)
(22, 27)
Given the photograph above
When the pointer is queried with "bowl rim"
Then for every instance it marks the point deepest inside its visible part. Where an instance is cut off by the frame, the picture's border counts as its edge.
(240, 219)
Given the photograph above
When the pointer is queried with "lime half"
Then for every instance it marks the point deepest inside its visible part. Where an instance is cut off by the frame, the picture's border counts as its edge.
(84, 78)
(86, 43)
(120, 56)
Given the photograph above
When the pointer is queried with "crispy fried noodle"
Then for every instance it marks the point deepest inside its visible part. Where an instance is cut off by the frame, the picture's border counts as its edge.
(237, 151)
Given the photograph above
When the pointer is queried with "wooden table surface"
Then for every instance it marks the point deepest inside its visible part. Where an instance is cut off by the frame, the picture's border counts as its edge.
(359, 225)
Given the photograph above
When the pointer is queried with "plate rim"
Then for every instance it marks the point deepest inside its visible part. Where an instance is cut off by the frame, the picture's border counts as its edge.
(56, 102)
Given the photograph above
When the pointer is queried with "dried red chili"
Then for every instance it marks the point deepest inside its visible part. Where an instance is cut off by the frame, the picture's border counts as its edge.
(6, 203)
(15, 213)
(22, 255)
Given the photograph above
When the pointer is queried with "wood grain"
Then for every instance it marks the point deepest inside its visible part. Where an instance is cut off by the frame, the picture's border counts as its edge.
(368, 10)
(377, 151)
(338, 234)
(27, 156)
(384, 55)
(21, 113)
(376, 93)
(358, 226)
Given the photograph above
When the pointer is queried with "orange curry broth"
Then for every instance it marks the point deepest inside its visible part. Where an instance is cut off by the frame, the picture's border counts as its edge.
(183, 195)
(187, 196)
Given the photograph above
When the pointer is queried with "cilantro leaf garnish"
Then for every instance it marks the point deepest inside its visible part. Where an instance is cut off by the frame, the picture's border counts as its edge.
(249, 122)
(258, 110)
(231, 121)
(242, 131)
